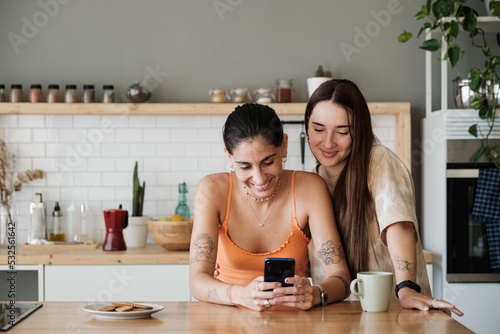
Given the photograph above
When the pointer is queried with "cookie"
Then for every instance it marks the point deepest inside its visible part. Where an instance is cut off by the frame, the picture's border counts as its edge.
(144, 307)
(107, 308)
(119, 304)
(125, 308)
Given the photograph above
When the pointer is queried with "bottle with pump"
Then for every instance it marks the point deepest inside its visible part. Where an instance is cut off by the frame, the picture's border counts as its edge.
(83, 234)
(73, 222)
(57, 234)
(182, 209)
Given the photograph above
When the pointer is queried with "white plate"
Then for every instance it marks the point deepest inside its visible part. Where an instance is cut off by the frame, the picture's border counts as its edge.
(121, 315)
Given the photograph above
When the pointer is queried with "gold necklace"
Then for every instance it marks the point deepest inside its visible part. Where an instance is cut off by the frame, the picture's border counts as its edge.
(261, 222)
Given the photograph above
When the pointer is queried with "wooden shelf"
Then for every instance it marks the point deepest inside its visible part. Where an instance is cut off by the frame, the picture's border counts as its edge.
(169, 108)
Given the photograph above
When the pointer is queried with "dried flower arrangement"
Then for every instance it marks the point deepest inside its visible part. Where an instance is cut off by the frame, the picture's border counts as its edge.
(7, 182)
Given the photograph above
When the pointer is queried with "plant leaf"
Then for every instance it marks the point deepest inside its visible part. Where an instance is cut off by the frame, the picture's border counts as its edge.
(473, 130)
(495, 8)
(495, 62)
(470, 20)
(477, 102)
(425, 26)
(474, 76)
(485, 112)
(405, 37)
(453, 54)
(430, 45)
(478, 154)
(421, 14)
(454, 28)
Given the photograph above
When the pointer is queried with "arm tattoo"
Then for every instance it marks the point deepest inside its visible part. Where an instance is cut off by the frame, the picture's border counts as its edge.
(404, 265)
(203, 248)
(330, 253)
(212, 296)
(346, 286)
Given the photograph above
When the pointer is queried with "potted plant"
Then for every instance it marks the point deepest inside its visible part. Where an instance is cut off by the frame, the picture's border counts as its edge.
(320, 76)
(136, 232)
(449, 18)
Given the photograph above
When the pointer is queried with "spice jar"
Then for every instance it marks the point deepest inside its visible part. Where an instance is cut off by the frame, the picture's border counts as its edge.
(88, 94)
(239, 95)
(108, 94)
(36, 93)
(71, 95)
(53, 94)
(264, 95)
(218, 95)
(3, 98)
(16, 93)
(284, 90)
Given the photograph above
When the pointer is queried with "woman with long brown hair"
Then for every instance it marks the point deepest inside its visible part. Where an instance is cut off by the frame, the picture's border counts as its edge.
(372, 193)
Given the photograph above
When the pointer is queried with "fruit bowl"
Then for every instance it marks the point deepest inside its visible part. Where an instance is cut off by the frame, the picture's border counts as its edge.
(171, 235)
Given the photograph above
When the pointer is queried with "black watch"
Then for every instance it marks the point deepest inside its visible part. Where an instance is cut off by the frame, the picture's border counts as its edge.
(409, 284)
(324, 295)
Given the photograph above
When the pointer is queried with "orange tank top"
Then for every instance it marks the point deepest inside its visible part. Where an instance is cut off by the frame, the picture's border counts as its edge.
(237, 266)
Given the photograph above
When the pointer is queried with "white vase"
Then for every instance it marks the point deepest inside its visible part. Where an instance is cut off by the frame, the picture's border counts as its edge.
(487, 5)
(314, 82)
(136, 233)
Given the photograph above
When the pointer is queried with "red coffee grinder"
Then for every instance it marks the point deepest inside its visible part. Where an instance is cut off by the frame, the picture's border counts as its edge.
(116, 220)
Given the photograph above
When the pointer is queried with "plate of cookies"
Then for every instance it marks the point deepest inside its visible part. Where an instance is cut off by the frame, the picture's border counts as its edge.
(123, 310)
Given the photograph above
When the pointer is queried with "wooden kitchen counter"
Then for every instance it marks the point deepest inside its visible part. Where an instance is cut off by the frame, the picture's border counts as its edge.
(151, 254)
(199, 317)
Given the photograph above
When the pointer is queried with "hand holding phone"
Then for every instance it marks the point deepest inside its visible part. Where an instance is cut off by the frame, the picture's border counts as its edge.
(277, 269)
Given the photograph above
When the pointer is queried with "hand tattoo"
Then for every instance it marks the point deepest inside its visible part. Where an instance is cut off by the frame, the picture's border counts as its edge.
(203, 248)
(404, 265)
(330, 253)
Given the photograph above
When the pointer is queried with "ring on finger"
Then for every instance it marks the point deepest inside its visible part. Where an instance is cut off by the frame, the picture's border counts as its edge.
(433, 302)
(267, 303)
(303, 298)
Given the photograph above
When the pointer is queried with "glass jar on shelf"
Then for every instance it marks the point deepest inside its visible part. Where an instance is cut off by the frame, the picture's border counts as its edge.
(88, 94)
(16, 93)
(36, 93)
(3, 98)
(284, 91)
(263, 95)
(108, 94)
(53, 95)
(218, 95)
(239, 95)
(71, 95)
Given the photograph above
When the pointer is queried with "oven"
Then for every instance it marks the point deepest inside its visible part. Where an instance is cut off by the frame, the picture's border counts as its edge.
(467, 246)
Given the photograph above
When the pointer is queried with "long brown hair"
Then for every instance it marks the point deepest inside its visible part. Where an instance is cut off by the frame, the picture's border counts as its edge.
(352, 201)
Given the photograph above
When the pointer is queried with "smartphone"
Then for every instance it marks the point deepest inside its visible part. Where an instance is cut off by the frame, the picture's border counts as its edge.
(277, 269)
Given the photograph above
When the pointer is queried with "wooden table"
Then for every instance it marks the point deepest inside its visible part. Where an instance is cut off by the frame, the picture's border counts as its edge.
(199, 317)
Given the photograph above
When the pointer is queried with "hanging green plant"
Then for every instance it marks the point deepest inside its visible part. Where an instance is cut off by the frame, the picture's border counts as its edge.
(449, 18)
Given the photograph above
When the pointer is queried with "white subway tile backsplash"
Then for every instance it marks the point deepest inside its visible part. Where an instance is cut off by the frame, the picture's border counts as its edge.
(91, 157)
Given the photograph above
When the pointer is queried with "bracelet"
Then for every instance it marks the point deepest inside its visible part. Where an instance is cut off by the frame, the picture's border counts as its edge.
(408, 284)
(229, 294)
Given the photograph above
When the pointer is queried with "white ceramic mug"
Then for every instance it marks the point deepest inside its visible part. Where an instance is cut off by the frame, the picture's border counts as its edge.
(374, 290)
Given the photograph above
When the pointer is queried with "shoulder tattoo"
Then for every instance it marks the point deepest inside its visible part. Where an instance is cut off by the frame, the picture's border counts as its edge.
(331, 253)
(203, 249)
(404, 265)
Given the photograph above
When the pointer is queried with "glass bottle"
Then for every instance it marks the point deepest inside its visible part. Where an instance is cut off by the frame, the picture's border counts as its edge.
(71, 96)
(36, 93)
(57, 233)
(108, 94)
(88, 94)
(218, 95)
(53, 94)
(264, 95)
(182, 209)
(284, 91)
(3, 98)
(16, 93)
(239, 95)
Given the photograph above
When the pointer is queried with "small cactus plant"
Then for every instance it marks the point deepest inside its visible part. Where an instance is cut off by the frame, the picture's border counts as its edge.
(321, 73)
(138, 194)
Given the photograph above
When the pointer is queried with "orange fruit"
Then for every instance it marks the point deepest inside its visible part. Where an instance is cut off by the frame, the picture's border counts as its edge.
(176, 218)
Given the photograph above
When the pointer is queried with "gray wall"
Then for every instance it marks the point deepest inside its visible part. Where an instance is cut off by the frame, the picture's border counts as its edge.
(197, 45)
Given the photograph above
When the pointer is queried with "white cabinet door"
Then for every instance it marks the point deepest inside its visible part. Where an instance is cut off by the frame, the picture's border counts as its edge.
(90, 283)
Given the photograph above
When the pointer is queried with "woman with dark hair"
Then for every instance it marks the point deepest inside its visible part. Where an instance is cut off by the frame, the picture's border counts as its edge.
(372, 194)
(260, 210)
